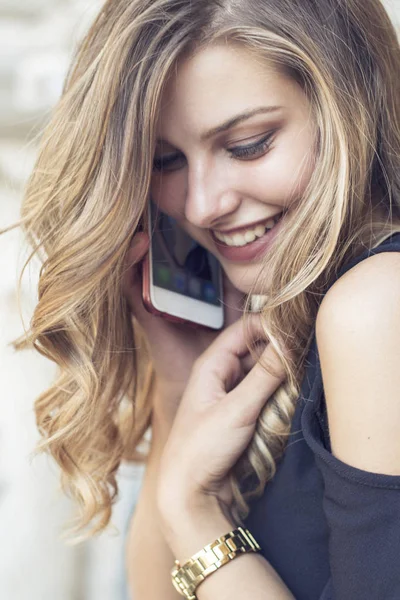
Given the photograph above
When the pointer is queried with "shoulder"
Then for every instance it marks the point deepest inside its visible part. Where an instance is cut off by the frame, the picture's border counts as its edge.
(372, 284)
(358, 340)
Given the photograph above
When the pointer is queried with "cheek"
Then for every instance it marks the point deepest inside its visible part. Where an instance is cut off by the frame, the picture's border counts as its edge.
(168, 193)
(289, 170)
(169, 197)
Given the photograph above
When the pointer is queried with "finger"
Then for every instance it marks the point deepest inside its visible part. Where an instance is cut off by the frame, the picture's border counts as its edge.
(133, 287)
(233, 301)
(236, 339)
(249, 360)
(132, 284)
(243, 405)
(259, 384)
(225, 358)
(137, 250)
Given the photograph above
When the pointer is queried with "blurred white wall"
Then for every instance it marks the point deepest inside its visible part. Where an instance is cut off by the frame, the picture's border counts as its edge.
(36, 39)
(36, 42)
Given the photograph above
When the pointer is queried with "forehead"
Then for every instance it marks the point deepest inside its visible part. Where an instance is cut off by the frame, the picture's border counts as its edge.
(219, 81)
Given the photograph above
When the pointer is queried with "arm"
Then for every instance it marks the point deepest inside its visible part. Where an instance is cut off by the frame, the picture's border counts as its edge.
(173, 349)
(247, 576)
(361, 507)
(357, 332)
(148, 557)
(211, 430)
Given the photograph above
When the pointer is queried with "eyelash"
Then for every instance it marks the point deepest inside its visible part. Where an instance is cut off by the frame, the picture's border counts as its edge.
(238, 152)
(261, 145)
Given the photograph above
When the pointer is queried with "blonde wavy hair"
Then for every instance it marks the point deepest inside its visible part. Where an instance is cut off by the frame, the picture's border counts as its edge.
(88, 193)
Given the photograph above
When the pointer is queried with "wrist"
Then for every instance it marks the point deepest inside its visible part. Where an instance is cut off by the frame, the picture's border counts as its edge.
(190, 524)
(166, 403)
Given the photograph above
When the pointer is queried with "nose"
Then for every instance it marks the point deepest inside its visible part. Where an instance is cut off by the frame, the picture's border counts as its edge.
(210, 199)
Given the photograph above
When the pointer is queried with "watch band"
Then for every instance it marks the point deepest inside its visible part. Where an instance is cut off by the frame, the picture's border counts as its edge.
(187, 577)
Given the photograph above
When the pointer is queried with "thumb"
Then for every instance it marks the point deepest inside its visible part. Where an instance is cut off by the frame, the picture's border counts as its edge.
(137, 250)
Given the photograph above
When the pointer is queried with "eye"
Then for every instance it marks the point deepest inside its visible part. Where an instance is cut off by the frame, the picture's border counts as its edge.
(260, 147)
(173, 162)
(169, 162)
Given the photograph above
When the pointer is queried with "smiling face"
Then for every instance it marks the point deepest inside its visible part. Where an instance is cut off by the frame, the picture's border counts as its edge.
(223, 186)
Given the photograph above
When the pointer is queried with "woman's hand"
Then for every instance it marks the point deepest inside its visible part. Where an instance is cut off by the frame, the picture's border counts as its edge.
(216, 420)
(174, 346)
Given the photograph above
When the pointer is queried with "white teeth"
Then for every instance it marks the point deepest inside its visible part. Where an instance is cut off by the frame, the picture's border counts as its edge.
(241, 239)
(238, 240)
(259, 230)
(250, 236)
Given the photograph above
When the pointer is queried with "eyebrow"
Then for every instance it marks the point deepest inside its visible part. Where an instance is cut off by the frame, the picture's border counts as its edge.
(235, 121)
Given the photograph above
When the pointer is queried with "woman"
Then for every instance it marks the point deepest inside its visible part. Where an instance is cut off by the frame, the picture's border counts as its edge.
(231, 113)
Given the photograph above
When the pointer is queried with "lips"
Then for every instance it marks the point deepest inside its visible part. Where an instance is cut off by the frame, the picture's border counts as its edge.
(250, 226)
(248, 234)
(251, 251)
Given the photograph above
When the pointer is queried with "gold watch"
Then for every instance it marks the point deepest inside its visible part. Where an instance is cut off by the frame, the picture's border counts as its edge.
(187, 577)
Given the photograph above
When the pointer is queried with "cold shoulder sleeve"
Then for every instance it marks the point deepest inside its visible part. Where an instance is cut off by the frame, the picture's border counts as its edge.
(362, 510)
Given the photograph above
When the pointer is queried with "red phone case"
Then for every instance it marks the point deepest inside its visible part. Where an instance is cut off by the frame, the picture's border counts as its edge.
(149, 306)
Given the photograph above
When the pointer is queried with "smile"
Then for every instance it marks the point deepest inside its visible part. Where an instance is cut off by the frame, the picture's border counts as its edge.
(249, 235)
(250, 244)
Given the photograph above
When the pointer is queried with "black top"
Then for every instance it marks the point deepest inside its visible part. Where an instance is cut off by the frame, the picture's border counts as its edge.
(331, 531)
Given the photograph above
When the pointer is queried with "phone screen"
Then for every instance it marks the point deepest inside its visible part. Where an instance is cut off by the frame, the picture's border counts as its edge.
(180, 264)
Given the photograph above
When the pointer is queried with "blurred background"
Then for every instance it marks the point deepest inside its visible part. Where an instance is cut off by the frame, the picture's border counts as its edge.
(37, 38)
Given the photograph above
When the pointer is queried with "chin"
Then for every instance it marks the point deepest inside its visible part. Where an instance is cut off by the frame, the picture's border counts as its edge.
(244, 280)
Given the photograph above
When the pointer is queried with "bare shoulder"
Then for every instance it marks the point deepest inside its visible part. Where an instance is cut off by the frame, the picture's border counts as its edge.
(371, 284)
(358, 333)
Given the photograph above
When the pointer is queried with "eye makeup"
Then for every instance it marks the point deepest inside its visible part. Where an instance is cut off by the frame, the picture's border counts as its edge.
(245, 152)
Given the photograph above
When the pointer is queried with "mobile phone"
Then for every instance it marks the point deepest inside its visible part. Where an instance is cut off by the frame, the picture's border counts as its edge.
(181, 280)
